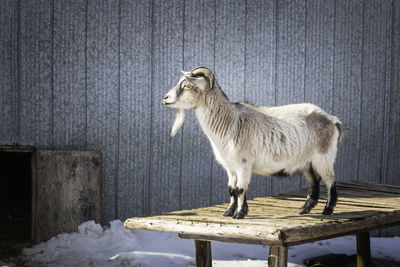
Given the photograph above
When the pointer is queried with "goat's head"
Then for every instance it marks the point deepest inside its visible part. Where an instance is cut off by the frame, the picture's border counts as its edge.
(188, 93)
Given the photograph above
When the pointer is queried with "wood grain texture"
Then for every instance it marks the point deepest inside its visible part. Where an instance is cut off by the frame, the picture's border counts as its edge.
(196, 151)
(260, 69)
(275, 221)
(347, 84)
(103, 93)
(373, 90)
(229, 71)
(36, 73)
(68, 191)
(290, 64)
(135, 108)
(69, 74)
(166, 152)
(9, 72)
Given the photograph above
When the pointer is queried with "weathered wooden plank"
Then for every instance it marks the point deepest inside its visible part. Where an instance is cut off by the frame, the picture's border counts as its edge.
(36, 73)
(203, 253)
(393, 163)
(103, 92)
(69, 74)
(260, 69)
(290, 64)
(363, 249)
(9, 72)
(196, 150)
(135, 100)
(318, 88)
(373, 90)
(347, 84)
(166, 152)
(68, 191)
(278, 219)
(229, 71)
(278, 256)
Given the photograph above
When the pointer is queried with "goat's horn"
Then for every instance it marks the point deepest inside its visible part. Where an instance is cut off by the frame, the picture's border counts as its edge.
(187, 73)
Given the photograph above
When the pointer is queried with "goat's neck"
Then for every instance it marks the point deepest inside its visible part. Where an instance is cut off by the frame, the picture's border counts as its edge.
(217, 117)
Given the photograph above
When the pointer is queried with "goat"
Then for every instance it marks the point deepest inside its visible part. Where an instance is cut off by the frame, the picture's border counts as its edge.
(270, 141)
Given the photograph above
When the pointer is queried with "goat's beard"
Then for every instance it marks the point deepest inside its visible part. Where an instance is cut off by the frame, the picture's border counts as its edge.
(179, 118)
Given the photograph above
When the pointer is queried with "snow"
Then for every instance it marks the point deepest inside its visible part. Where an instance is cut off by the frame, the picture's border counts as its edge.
(115, 246)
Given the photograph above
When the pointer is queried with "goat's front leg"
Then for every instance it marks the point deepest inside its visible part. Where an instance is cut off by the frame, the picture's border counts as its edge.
(244, 176)
(233, 195)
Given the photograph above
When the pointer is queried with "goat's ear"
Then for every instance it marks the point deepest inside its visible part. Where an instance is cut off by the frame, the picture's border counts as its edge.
(199, 82)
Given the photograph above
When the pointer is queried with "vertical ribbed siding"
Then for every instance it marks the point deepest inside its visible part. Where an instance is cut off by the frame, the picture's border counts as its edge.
(393, 170)
(69, 75)
(347, 84)
(196, 152)
(92, 74)
(165, 151)
(9, 71)
(373, 91)
(260, 69)
(102, 92)
(229, 71)
(290, 65)
(319, 53)
(35, 72)
(135, 107)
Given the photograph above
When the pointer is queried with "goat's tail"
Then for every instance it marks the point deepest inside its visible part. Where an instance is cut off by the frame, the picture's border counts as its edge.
(339, 126)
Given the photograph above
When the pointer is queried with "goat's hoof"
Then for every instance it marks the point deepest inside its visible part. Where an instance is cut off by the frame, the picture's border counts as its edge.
(239, 215)
(304, 210)
(228, 213)
(327, 210)
(310, 203)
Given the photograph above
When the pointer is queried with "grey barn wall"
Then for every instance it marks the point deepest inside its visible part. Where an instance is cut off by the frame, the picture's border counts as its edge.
(91, 75)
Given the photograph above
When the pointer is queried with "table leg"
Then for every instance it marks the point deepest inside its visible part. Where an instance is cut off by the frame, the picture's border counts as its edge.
(203, 253)
(278, 256)
(363, 250)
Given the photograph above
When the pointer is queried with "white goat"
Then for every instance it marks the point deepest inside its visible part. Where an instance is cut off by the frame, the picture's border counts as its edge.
(271, 141)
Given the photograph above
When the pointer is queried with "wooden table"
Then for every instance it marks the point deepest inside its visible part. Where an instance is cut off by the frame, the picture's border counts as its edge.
(274, 221)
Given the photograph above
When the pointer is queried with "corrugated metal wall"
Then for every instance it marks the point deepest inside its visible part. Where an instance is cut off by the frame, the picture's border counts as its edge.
(92, 74)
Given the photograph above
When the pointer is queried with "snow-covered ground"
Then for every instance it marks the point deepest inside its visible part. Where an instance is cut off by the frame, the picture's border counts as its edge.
(115, 246)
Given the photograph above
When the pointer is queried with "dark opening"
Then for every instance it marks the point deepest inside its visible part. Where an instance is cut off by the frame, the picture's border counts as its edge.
(15, 201)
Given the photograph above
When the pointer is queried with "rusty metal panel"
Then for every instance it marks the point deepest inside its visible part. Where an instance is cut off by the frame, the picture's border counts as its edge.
(196, 150)
(36, 73)
(67, 190)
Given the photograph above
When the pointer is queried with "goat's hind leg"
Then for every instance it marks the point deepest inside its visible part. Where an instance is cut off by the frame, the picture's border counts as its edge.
(332, 196)
(313, 190)
(328, 175)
